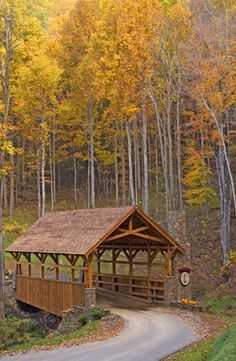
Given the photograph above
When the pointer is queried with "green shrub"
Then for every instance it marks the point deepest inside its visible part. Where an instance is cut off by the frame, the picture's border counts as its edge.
(97, 313)
(13, 332)
(83, 319)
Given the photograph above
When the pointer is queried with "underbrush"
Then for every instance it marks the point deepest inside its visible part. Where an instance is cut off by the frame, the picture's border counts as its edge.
(44, 329)
(30, 343)
(226, 305)
(14, 331)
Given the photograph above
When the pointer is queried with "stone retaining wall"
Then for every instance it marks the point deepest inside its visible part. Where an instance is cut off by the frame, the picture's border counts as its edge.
(174, 290)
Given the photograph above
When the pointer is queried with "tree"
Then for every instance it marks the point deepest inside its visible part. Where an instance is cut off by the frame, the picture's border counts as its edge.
(196, 179)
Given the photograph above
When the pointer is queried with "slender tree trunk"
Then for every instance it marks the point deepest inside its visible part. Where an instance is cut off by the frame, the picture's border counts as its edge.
(178, 138)
(224, 208)
(54, 160)
(75, 180)
(131, 178)
(51, 173)
(5, 193)
(59, 175)
(157, 176)
(17, 176)
(2, 271)
(145, 156)
(23, 169)
(224, 149)
(170, 157)
(89, 184)
(123, 171)
(90, 111)
(161, 132)
(116, 172)
(38, 184)
(12, 185)
(43, 163)
(136, 166)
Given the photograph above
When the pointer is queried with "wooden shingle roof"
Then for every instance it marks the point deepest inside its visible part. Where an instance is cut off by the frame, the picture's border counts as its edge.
(77, 232)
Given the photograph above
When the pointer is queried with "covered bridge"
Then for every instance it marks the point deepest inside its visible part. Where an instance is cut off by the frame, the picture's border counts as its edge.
(65, 256)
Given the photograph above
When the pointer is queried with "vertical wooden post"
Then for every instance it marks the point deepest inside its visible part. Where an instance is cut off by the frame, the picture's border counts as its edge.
(74, 259)
(42, 257)
(130, 269)
(170, 265)
(98, 262)
(90, 270)
(42, 270)
(131, 223)
(113, 267)
(56, 260)
(29, 264)
(149, 260)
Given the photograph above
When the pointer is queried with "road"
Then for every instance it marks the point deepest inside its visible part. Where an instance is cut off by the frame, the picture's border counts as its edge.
(150, 335)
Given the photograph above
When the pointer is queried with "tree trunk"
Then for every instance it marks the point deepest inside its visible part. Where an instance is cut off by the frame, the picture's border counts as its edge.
(157, 176)
(12, 186)
(89, 183)
(75, 179)
(43, 180)
(123, 172)
(116, 172)
(54, 160)
(2, 272)
(145, 156)
(38, 183)
(178, 138)
(91, 142)
(163, 145)
(51, 173)
(131, 178)
(224, 208)
(136, 165)
(5, 192)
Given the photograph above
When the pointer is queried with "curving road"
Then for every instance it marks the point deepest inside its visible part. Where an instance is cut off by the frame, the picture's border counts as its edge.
(149, 335)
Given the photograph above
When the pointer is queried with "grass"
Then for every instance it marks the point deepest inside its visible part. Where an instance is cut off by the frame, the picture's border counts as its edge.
(198, 352)
(224, 348)
(221, 349)
(226, 306)
(56, 340)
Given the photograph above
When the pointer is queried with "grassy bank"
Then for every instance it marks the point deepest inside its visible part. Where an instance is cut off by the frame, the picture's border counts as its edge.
(19, 335)
(221, 349)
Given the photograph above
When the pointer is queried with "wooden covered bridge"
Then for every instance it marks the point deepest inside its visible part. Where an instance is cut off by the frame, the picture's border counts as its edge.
(65, 256)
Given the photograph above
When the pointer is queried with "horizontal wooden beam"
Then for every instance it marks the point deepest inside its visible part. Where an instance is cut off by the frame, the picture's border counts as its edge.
(133, 247)
(140, 229)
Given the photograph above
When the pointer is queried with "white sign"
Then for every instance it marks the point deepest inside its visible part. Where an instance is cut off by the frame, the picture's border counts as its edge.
(184, 278)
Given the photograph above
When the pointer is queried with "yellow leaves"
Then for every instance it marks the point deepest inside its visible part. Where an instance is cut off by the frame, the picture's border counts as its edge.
(180, 17)
(129, 110)
(6, 146)
(196, 179)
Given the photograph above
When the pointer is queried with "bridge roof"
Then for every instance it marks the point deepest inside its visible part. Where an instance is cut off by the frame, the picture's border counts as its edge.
(81, 231)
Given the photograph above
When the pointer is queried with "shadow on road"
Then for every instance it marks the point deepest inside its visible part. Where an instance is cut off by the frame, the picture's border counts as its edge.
(107, 299)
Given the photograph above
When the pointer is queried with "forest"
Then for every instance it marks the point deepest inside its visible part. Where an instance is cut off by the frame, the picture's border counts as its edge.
(115, 102)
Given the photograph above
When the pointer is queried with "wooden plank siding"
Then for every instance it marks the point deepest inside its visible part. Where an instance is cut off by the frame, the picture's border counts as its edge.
(49, 295)
(142, 287)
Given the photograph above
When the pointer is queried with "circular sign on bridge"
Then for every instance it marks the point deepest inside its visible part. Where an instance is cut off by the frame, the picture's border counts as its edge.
(184, 278)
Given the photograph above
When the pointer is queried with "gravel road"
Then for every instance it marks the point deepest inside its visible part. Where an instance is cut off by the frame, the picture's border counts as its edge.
(150, 335)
